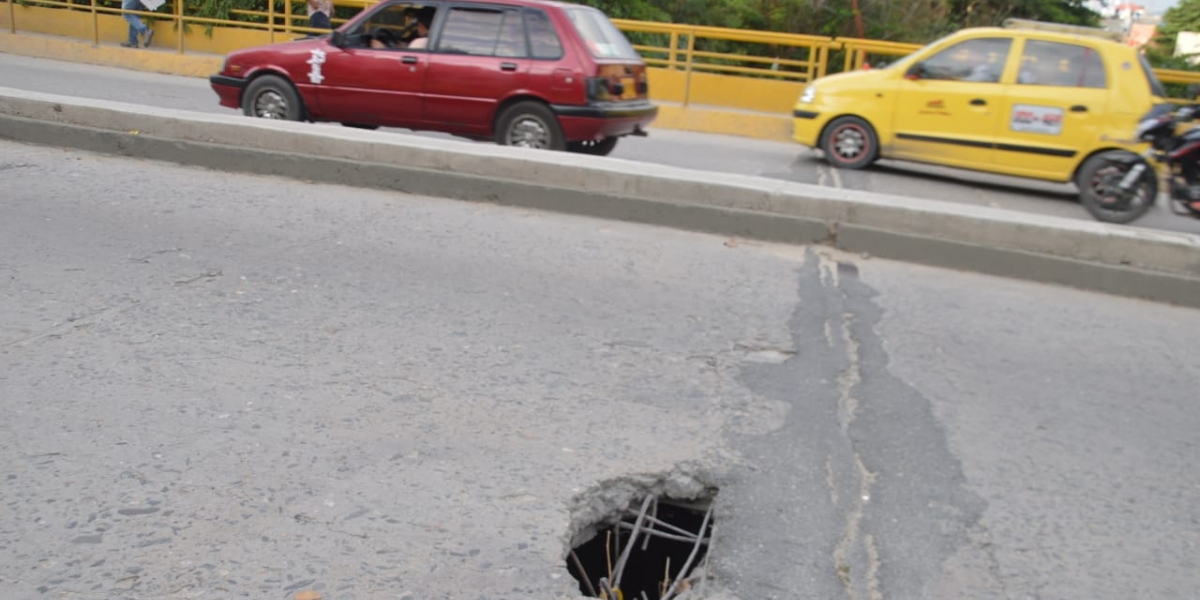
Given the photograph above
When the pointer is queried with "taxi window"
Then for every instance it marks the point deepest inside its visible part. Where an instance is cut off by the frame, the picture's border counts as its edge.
(483, 32)
(1156, 86)
(543, 39)
(977, 60)
(1063, 65)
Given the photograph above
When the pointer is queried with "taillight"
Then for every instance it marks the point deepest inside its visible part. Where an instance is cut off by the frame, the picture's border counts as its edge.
(614, 84)
(597, 89)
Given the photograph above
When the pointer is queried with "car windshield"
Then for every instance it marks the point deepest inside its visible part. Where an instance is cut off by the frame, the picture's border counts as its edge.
(603, 39)
(1156, 86)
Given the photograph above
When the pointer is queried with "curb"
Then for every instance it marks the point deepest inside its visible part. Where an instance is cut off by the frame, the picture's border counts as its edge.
(1155, 265)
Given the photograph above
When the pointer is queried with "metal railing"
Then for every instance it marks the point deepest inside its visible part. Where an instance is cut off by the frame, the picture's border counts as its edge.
(689, 48)
(727, 51)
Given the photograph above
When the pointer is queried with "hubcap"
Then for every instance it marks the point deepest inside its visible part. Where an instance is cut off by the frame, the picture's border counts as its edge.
(849, 142)
(529, 132)
(270, 105)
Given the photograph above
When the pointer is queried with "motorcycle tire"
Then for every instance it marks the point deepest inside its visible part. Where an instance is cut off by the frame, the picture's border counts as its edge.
(1097, 180)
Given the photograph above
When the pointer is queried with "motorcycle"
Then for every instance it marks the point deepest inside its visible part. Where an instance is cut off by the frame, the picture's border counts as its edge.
(1118, 186)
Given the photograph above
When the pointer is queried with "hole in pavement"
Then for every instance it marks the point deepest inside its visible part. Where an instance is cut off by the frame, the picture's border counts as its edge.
(649, 551)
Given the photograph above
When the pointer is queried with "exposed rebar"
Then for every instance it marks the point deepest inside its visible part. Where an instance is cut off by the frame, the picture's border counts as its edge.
(649, 531)
(583, 574)
(695, 550)
(664, 524)
(637, 526)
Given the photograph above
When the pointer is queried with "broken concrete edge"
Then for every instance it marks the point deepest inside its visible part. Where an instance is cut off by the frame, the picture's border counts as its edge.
(1146, 264)
(602, 504)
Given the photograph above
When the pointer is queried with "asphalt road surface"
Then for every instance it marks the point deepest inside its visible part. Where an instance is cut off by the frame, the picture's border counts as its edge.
(217, 385)
(683, 149)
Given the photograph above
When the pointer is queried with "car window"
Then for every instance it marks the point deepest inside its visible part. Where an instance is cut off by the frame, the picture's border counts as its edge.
(543, 39)
(390, 27)
(977, 60)
(1058, 64)
(1156, 86)
(483, 32)
(601, 37)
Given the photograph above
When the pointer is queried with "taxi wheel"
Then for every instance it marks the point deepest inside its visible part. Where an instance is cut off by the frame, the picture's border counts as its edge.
(272, 97)
(850, 143)
(597, 148)
(529, 125)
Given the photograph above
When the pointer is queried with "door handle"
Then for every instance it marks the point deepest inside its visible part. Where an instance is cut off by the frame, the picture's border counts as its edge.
(978, 102)
(508, 66)
(1079, 108)
(409, 60)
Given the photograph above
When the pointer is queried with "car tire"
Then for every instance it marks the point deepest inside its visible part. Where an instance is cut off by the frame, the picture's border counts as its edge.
(1100, 172)
(359, 126)
(850, 143)
(594, 147)
(272, 97)
(531, 125)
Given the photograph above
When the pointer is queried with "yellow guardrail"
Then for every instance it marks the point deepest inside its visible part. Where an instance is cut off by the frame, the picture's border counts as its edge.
(685, 49)
(858, 50)
(678, 50)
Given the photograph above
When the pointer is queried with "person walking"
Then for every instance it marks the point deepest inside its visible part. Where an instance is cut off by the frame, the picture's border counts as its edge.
(320, 14)
(137, 27)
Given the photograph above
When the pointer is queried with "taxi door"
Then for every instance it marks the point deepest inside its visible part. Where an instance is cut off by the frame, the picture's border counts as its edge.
(948, 107)
(1055, 111)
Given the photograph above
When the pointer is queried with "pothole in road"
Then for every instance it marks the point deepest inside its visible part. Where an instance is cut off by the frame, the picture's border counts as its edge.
(649, 550)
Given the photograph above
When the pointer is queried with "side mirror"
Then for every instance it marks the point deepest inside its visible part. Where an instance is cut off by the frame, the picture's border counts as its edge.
(915, 72)
(338, 39)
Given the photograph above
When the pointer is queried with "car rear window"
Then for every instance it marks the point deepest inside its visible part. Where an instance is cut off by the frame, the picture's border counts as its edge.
(1156, 86)
(602, 38)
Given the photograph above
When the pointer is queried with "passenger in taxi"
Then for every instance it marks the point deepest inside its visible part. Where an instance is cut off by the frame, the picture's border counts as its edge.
(979, 68)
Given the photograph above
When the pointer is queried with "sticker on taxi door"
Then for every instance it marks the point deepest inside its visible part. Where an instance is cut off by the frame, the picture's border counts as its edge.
(1029, 118)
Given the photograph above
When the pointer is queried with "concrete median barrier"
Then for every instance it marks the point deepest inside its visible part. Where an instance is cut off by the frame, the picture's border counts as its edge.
(1129, 261)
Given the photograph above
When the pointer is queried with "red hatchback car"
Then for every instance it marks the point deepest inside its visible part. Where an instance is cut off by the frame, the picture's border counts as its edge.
(528, 73)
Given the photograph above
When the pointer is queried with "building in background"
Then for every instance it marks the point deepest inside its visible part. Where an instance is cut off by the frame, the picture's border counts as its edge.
(1187, 44)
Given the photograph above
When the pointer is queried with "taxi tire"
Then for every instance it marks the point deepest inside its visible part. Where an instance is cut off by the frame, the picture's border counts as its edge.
(850, 125)
(294, 108)
(534, 112)
(596, 148)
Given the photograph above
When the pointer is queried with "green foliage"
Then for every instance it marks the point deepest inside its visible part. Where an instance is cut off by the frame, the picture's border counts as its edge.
(1184, 16)
(894, 20)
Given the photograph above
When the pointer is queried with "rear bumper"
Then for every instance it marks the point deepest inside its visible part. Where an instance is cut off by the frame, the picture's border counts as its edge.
(228, 89)
(604, 119)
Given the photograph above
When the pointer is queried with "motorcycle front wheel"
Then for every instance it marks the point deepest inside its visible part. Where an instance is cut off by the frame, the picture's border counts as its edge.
(1101, 195)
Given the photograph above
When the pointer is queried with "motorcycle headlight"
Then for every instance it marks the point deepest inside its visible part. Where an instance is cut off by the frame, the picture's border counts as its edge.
(810, 94)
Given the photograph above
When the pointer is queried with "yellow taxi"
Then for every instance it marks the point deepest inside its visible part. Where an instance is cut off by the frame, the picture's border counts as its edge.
(1028, 99)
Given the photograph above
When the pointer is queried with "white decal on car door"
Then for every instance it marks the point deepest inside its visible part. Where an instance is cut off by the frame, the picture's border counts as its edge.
(318, 59)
